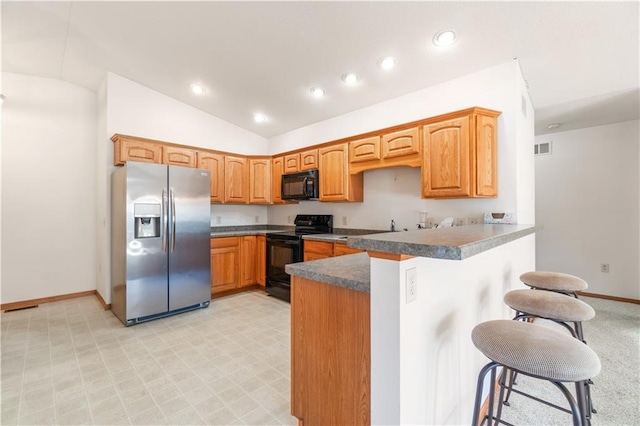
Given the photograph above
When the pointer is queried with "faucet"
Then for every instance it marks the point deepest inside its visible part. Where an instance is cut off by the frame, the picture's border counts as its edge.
(393, 225)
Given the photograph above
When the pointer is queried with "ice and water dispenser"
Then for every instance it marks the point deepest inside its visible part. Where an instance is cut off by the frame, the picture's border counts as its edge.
(147, 220)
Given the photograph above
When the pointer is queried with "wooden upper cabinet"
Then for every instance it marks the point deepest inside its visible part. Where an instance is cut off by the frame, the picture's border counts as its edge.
(133, 149)
(236, 178)
(301, 161)
(336, 184)
(309, 160)
(401, 143)
(213, 162)
(277, 169)
(175, 156)
(259, 180)
(486, 156)
(291, 163)
(460, 156)
(364, 149)
(397, 148)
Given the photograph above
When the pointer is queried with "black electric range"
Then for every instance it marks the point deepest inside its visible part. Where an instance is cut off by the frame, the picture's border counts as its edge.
(288, 247)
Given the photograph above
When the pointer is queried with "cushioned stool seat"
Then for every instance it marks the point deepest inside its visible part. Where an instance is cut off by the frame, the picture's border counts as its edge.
(554, 281)
(549, 305)
(536, 351)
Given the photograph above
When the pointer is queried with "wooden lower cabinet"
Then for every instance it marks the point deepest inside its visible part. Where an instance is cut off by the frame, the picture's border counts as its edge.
(341, 249)
(225, 262)
(247, 260)
(330, 364)
(261, 260)
(233, 262)
(314, 250)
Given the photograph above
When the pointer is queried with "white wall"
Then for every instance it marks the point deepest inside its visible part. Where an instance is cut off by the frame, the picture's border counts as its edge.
(395, 193)
(424, 365)
(48, 188)
(136, 110)
(588, 206)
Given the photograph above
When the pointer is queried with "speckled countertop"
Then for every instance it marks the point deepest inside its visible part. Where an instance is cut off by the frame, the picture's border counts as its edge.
(350, 271)
(456, 243)
(239, 233)
(325, 237)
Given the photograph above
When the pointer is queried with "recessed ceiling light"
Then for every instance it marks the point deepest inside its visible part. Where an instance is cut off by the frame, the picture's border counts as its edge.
(317, 92)
(553, 126)
(350, 78)
(259, 117)
(198, 89)
(387, 63)
(444, 38)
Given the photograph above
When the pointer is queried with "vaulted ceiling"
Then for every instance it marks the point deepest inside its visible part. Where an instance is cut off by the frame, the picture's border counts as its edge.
(580, 59)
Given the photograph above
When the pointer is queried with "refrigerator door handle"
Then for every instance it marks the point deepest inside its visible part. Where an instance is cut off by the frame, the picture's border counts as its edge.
(173, 220)
(165, 221)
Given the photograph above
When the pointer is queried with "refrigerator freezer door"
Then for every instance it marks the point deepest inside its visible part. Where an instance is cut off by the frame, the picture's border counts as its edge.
(190, 232)
(146, 283)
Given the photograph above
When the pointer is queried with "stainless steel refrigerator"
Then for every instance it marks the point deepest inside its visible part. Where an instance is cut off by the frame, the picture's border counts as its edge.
(160, 232)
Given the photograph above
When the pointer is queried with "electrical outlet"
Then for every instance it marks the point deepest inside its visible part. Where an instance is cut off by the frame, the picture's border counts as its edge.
(257, 219)
(429, 222)
(288, 219)
(472, 221)
(344, 220)
(604, 267)
(461, 221)
(218, 220)
(412, 284)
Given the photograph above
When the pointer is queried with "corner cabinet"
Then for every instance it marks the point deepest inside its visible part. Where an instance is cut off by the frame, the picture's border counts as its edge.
(336, 183)
(460, 156)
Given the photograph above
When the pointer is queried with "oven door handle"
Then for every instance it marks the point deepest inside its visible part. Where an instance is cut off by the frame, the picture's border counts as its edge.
(281, 242)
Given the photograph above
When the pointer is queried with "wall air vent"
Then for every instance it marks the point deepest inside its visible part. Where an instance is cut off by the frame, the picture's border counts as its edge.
(542, 148)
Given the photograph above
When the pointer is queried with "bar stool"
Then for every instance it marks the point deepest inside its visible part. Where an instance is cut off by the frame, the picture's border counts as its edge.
(554, 281)
(554, 307)
(538, 352)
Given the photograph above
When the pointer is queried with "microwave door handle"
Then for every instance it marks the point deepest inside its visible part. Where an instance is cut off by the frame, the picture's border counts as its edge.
(304, 186)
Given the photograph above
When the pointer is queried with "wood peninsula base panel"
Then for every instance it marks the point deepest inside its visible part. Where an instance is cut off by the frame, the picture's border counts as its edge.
(330, 354)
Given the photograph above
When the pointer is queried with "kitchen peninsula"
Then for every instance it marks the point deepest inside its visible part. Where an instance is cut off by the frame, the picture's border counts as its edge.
(384, 337)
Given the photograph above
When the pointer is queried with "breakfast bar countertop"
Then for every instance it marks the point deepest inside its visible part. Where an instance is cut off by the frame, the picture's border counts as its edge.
(455, 243)
(351, 271)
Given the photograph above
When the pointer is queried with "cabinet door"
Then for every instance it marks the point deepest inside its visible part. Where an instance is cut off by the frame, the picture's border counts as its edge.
(277, 169)
(259, 181)
(364, 149)
(133, 150)
(486, 156)
(236, 177)
(446, 164)
(225, 261)
(335, 182)
(215, 164)
(292, 163)
(309, 160)
(247, 260)
(401, 143)
(178, 156)
(340, 249)
(261, 259)
(314, 250)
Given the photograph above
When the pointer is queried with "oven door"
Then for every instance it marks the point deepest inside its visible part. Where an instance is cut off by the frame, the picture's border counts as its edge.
(281, 252)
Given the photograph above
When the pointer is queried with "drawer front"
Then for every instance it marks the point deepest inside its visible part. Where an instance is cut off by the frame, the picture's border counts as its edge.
(319, 247)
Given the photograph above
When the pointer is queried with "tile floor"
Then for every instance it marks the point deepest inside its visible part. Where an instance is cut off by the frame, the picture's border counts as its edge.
(70, 362)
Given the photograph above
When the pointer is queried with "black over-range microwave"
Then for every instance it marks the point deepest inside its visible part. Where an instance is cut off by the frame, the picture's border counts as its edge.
(300, 186)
